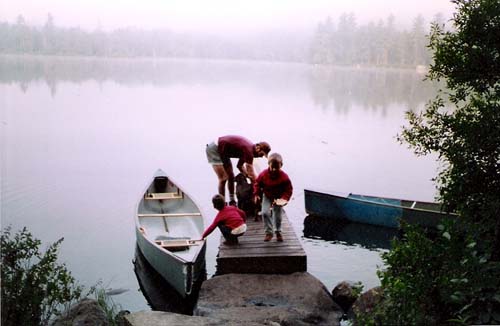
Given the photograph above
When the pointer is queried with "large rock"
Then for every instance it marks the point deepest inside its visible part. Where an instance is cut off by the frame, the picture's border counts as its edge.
(295, 299)
(159, 318)
(345, 294)
(367, 301)
(85, 312)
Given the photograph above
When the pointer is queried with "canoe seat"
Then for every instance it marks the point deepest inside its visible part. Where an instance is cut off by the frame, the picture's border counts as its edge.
(163, 195)
(177, 245)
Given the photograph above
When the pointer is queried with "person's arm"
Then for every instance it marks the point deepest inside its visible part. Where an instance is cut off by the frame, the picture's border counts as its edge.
(208, 230)
(245, 164)
(257, 191)
(211, 227)
(288, 190)
(250, 172)
(286, 193)
(241, 166)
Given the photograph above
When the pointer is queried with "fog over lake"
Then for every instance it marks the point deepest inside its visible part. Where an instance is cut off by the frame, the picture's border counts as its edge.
(82, 137)
(224, 17)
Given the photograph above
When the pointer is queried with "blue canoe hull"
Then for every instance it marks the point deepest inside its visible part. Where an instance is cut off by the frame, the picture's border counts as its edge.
(387, 212)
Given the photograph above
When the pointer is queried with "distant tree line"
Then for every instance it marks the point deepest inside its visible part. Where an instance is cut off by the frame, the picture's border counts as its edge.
(49, 39)
(344, 43)
(380, 44)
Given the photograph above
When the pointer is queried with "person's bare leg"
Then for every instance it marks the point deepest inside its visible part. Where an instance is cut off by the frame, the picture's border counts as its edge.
(230, 183)
(222, 176)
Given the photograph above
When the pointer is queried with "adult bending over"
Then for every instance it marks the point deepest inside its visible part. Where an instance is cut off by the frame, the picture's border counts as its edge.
(220, 152)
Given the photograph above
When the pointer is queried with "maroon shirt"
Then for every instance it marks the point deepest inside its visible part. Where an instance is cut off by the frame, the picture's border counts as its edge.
(230, 216)
(237, 147)
(274, 188)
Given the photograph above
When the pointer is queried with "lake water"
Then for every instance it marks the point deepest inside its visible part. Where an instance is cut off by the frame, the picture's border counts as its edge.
(80, 138)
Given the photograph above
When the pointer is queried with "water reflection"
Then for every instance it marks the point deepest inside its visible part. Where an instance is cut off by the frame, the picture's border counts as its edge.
(158, 293)
(330, 87)
(356, 234)
(24, 70)
(372, 89)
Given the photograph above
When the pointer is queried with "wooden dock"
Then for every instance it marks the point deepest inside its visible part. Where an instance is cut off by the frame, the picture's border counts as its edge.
(253, 255)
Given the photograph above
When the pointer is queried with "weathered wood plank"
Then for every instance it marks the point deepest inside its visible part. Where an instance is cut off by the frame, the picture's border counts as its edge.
(253, 255)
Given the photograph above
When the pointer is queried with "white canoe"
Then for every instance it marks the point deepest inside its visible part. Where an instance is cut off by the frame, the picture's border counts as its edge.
(168, 228)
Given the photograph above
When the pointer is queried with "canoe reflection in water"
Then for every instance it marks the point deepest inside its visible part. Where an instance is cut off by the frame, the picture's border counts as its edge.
(365, 235)
(160, 295)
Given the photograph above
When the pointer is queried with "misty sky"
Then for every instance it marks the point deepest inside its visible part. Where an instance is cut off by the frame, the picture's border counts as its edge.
(214, 15)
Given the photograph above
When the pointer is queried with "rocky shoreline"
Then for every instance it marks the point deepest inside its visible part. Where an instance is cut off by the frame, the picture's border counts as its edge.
(249, 299)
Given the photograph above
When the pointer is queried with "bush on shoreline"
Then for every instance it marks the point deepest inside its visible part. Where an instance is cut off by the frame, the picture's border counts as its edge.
(454, 277)
(35, 287)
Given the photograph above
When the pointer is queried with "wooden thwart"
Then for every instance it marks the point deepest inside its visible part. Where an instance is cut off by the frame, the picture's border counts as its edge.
(177, 245)
(168, 214)
(163, 195)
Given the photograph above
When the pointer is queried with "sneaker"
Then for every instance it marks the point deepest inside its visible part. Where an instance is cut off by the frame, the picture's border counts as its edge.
(279, 237)
(232, 203)
(268, 237)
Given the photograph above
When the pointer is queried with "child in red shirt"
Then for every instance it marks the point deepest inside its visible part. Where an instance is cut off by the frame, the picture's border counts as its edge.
(274, 188)
(230, 220)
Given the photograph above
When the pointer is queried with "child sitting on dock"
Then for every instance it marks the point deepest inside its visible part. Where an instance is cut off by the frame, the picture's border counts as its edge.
(274, 188)
(230, 220)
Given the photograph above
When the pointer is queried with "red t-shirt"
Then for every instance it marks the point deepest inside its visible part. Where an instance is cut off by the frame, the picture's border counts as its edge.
(274, 188)
(230, 216)
(236, 147)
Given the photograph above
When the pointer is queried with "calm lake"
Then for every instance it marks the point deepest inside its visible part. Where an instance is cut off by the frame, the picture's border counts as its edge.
(81, 138)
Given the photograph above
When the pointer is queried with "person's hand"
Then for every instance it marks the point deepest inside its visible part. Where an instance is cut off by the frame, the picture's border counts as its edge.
(281, 202)
(256, 199)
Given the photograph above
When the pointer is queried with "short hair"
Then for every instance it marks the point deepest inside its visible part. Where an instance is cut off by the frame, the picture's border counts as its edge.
(275, 158)
(218, 201)
(265, 147)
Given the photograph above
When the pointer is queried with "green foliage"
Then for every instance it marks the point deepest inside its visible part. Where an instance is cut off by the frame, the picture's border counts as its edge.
(454, 277)
(467, 137)
(35, 287)
(357, 289)
(443, 280)
(469, 58)
(468, 142)
(110, 308)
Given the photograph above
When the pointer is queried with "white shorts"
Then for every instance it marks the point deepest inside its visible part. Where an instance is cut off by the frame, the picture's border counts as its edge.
(213, 155)
(239, 230)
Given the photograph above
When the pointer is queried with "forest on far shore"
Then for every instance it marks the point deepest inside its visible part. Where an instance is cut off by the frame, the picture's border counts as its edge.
(340, 41)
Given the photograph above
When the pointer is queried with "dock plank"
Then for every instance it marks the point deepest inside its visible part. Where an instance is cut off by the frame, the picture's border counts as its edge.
(253, 255)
